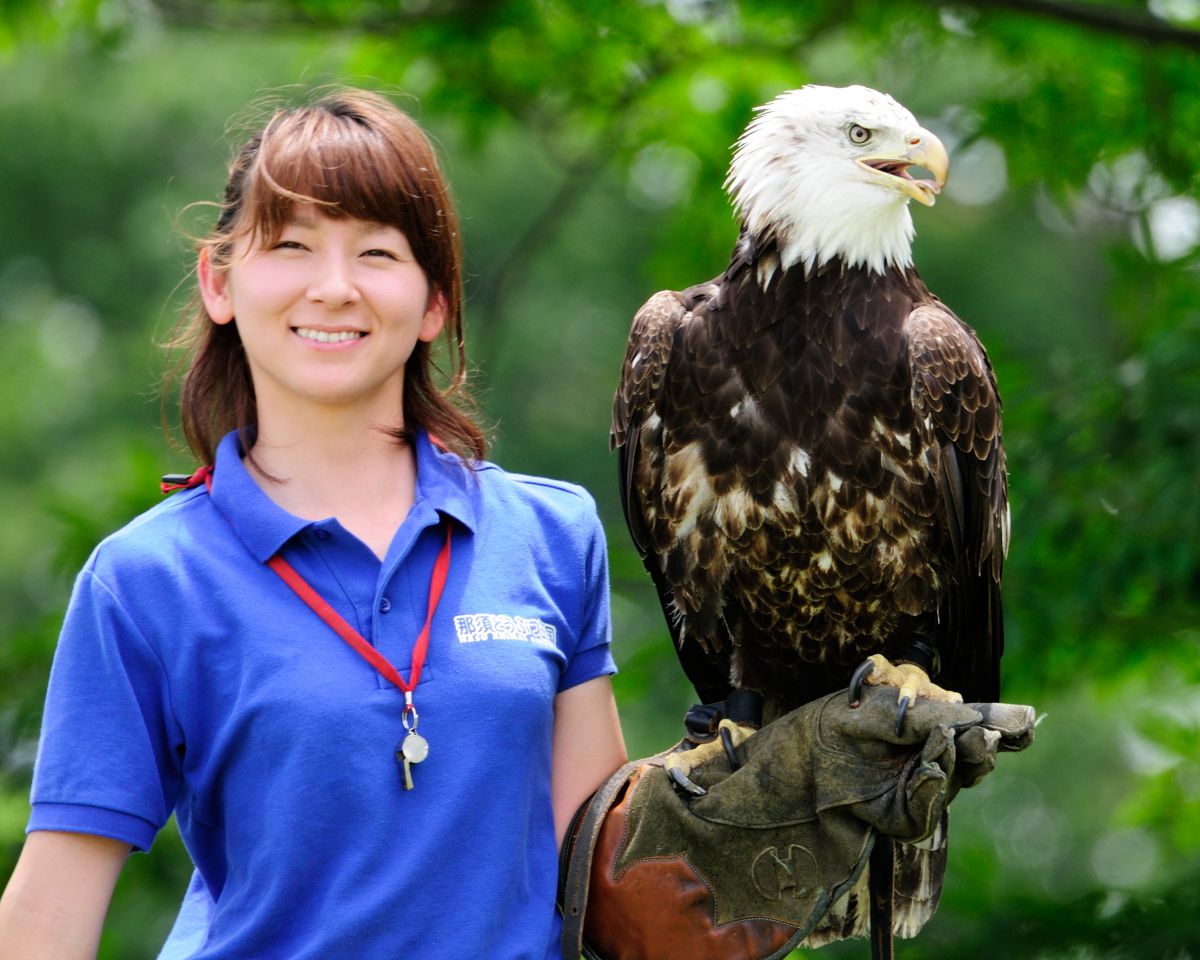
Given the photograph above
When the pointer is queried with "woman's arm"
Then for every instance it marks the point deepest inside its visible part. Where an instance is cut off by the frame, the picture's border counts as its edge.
(56, 900)
(588, 746)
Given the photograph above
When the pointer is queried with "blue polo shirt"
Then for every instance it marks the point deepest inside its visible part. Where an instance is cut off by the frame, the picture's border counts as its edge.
(190, 679)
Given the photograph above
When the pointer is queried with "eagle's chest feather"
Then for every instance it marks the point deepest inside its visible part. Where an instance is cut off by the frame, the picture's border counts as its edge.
(797, 481)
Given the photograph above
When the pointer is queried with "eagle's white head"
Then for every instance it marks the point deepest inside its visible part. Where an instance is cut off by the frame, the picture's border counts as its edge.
(824, 171)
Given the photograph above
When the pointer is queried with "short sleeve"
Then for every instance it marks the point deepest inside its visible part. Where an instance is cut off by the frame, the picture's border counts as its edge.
(592, 656)
(109, 755)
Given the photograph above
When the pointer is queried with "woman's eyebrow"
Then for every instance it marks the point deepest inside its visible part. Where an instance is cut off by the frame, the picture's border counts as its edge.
(304, 218)
(307, 219)
(372, 226)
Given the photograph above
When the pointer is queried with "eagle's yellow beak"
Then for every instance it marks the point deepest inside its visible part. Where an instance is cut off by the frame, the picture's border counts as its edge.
(924, 150)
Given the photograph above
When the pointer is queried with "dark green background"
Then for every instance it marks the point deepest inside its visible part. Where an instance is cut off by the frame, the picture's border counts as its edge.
(587, 143)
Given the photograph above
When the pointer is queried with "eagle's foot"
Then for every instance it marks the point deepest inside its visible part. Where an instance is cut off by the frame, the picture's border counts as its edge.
(681, 763)
(911, 680)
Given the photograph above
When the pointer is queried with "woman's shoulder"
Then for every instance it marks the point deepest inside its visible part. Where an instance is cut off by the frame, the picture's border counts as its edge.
(160, 538)
(554, 523)
(544, 494)
(494, 491)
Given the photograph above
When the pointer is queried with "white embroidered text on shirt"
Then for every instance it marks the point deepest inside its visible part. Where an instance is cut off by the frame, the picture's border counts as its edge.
(477, 627)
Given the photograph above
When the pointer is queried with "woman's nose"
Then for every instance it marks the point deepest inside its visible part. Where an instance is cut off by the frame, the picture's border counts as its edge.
(332, 283)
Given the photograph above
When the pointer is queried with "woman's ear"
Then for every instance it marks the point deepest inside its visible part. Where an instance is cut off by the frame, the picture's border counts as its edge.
(214, 288)
(434, 319)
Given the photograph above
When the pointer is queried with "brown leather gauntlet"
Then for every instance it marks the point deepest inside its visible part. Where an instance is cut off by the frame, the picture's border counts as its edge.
(769, 857)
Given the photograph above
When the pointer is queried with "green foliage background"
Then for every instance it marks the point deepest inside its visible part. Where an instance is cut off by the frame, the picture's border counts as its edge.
(587, 142)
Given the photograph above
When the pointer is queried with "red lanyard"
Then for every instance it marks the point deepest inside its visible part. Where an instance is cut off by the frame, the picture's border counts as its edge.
(412, 748)
(437, 583)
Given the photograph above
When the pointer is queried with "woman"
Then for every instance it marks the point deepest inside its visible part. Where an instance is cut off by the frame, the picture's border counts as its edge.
(333, 805)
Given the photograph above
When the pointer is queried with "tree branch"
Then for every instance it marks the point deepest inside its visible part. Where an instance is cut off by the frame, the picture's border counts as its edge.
(1124, 21)
(538, 232)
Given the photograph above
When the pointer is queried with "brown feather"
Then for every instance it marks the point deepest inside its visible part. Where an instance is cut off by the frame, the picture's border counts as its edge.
(813, 471)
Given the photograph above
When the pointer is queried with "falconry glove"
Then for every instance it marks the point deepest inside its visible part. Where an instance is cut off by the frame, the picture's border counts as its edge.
(763, 861)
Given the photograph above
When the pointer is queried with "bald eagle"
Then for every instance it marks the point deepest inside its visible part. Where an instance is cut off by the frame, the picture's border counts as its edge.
(809, 444)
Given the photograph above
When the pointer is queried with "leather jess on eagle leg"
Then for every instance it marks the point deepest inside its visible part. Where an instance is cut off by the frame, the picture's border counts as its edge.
(752, 868)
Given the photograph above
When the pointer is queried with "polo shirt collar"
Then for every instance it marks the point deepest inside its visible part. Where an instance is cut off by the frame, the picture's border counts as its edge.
(445, 482)
(444, 485)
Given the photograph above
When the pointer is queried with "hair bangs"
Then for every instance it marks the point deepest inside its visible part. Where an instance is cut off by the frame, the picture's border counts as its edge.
(338, 163)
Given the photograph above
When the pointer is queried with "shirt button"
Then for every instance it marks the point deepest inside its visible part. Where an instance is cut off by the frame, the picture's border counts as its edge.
(322, 534)
(385, 605)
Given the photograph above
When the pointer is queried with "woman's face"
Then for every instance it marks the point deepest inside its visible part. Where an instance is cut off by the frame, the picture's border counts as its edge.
(328, 314)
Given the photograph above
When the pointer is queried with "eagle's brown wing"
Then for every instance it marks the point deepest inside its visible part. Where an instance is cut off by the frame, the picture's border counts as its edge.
(637, 436)
(954, 392)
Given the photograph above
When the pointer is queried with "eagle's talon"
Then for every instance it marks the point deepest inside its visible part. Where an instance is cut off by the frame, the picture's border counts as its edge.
(678, 778)
(864, 670)
(730, 748)
(681, 763)
(911, 681)
(901, 713)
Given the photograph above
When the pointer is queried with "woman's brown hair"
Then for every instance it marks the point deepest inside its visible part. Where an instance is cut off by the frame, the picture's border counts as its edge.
(351, 153)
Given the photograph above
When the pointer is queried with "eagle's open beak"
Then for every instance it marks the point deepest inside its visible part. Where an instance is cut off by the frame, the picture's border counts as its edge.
(924, 150)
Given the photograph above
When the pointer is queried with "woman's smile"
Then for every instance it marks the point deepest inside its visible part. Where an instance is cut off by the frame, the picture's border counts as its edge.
(317, 335)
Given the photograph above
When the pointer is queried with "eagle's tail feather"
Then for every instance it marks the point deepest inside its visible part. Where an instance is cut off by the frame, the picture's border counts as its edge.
(918, 873)
(920, 869)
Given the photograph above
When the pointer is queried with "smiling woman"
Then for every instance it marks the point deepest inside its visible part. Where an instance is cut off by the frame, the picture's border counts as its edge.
(201, 670)
(357, 159)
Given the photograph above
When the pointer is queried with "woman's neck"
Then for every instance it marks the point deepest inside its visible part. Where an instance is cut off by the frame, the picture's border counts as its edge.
(357, 473)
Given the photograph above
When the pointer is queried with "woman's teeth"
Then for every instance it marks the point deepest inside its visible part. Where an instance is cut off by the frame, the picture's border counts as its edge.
(328, 336)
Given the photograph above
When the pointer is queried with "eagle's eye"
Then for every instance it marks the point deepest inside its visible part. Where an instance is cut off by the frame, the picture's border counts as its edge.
(859, 134)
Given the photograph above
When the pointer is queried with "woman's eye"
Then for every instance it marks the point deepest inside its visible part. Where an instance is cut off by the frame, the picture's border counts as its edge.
(380, 253)
(859, 134)
(288, 245)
